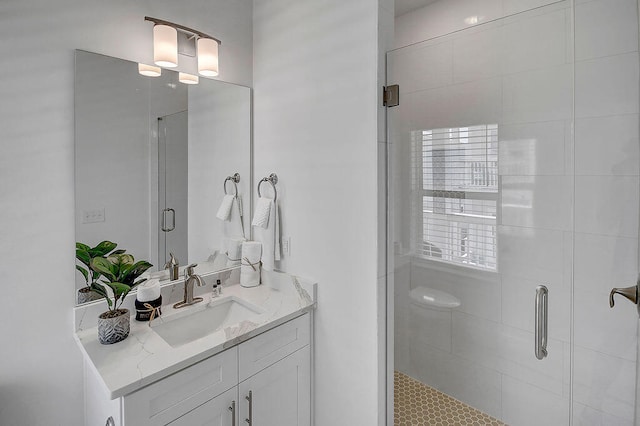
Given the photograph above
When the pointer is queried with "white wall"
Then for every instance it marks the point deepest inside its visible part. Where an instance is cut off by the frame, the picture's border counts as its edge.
(41, 368)
(315, 82)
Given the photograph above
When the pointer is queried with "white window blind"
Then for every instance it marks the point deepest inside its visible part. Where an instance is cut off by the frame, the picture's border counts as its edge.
(455, 177)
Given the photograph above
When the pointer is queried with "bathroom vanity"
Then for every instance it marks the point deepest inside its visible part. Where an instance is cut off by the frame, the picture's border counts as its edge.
(252, 364)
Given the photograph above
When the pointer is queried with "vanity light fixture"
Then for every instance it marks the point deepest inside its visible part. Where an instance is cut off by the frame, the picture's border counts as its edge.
(185, 78)
(165, 47)
(149, 70)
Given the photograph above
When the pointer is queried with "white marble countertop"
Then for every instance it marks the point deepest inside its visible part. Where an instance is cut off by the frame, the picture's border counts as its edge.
(144, 357)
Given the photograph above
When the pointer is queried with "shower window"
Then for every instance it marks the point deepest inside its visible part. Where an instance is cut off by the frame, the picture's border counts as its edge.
(456, 194)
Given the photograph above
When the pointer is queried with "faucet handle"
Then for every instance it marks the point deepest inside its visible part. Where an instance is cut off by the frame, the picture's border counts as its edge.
(188, 271)
(172, 262)
(630, 293)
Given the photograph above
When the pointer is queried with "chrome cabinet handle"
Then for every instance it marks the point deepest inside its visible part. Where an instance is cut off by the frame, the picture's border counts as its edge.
(233, 413)
(164, 220)
(542, 306)
(110, 422)
(250, 399)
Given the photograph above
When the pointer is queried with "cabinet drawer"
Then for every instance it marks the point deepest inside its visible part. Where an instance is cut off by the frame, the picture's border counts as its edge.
(216, 412)
(272, 346)
(168, 399)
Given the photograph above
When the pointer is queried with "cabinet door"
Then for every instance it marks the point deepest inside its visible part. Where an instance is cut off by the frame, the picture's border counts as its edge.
(280, 394)
(216, 412)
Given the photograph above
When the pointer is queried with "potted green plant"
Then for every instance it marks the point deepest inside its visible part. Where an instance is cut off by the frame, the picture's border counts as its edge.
(120, 273)
(84, 254)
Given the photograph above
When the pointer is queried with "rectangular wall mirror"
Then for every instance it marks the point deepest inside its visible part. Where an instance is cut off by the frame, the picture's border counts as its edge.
(151, 158)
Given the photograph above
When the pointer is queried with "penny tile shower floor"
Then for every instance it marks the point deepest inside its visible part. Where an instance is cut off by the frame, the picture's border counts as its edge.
(417, 404)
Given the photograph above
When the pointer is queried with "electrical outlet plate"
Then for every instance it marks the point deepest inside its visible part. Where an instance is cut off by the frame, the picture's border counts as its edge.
(93, 216)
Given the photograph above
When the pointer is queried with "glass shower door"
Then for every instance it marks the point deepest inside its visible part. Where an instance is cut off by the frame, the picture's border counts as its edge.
(173, 170)
(482, 199)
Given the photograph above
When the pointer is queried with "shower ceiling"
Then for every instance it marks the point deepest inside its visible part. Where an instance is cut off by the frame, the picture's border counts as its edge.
(406, 6)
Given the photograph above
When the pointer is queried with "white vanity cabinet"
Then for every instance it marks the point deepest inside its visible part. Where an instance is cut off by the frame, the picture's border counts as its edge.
(263, 381)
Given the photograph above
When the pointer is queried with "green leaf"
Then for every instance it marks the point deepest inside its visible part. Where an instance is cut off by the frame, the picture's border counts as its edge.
(102, 248)
(84, 272)
(83, 256)
(119, 251)
(84, 247)
(105, 267)
(118, 289)
(131, 272)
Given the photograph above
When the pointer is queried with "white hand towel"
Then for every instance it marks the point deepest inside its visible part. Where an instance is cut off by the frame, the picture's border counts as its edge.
(225, 207)
(250, 269)
(234, 227)
(270, 238)
(263, 210)
(148, 290)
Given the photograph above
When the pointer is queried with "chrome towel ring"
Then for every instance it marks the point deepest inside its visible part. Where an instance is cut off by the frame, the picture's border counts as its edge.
(272, 179)
(235, 179)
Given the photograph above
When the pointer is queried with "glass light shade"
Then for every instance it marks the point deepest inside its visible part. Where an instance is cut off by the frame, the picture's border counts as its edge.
(165, 46)
(187, 78)
(149, 70)
(207, 57)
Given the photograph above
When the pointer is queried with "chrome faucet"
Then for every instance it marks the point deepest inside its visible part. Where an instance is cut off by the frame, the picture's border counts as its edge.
(189, 279)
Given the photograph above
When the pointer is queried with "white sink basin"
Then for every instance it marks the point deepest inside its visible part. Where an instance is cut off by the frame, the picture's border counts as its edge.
(199, 320)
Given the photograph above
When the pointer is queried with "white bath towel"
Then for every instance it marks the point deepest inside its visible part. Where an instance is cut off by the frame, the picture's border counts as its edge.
(270, 238)
(250, 269)
(233, 249)
(263, 210)
(225, 207)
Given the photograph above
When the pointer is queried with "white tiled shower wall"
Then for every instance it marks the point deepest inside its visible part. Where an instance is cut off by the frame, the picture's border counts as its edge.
(582, 190)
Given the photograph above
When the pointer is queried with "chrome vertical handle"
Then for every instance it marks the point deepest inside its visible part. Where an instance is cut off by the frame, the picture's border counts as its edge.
(164, 220)
(250, 399)
(233, 413)
(542, 305)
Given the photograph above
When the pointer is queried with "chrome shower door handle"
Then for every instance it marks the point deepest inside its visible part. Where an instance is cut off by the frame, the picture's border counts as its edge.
(541, 320)
(164, 220)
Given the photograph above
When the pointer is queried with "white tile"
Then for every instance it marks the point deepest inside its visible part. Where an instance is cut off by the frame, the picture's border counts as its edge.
(537, 201)
(584, 415)
(524, 405)
(533, 149)
(607, 86)
(607, 205)
(532, 253)
(518, 296)
(602, 329)
(519, 361)
(477, 53)
(604, 383)
(430, 326)
(426, 66)
(605, 28)
(509, 351)
(607, 145)
(477, 102)
(535, 41)
(541, 95)
(603, 262)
